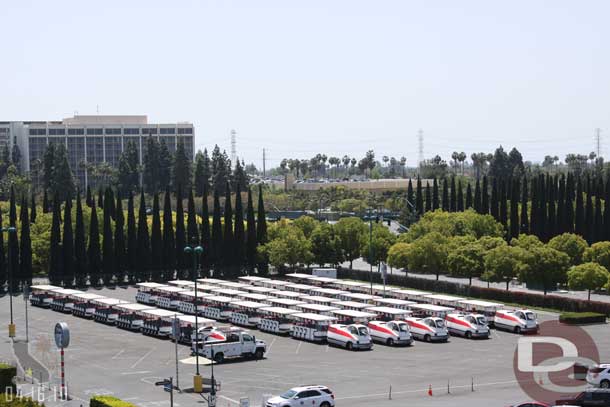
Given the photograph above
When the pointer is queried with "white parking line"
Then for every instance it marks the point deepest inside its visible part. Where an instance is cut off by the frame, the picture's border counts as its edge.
(139, 372)
(228, 399)
(142, 358)
(270, 345)
(298, 348)
(119, 353)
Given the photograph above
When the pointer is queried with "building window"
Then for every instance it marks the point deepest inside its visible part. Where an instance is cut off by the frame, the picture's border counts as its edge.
(92, 132)
(3, 130)
(57, 132)
(187, 130)
(113, 131)
(113, 150)
(76, 132)
(131, 131)
(165, 130)
(170, 142)
(149, 130)
(38, 132)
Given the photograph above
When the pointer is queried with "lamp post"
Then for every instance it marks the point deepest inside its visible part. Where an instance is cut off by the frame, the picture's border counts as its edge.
(11, 327)
(371, 249)
(196, 252)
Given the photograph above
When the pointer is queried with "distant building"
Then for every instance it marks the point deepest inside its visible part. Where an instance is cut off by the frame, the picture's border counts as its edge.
(91, 140)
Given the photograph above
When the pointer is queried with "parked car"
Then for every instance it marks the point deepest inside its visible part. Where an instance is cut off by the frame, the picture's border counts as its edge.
(589, 397)
(320, 396)
(599, 376)
(531, 404)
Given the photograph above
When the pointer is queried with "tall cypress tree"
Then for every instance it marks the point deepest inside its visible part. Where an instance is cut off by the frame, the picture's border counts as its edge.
(191, 223)
(143, 244)
(25, 252)
(68, 246)
(100, 198)
(55, 277)
(239, 235)
(606, 234)
(3, 268)
(598, 223)
(107, 243)
(93, 253)
(552, 219)
(88, 197)
(181, 239)
(419, 198)
(579, 215)
(132, 241)
(410, 195)
(485, 197)
(445, 200)
(542, 210)
(435, 203)
(524, 224)
(216, 241)
(493, 209)
(569, 205)
(428, 206)
(119, 242)
(514, 209)
(589, 219)
(261, 230)
(460, 198)
(156, 244)
(478, 206)
(453, 196)
(80, 245)
(205, 229)
(13, 242)
(45, 202)
(33, 210)
(503, 215)
(468, 196)
(227, 238)
(561, 200)
(169, 243)
(250, 234)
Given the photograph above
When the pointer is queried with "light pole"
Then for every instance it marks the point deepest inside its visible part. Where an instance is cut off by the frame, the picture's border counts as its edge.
(11, 327)
(371, 249)
(196, 252)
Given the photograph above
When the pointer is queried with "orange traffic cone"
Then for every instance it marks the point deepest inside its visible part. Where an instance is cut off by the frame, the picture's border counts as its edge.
(430, 390)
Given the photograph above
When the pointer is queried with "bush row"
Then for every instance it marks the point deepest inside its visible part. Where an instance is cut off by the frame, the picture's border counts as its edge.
(582, 318)
(7, 372)
(494, 294)
(11, 400)
(108, 401)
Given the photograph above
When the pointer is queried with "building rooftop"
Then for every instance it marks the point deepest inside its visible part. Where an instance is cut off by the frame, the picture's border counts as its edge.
(106, 119)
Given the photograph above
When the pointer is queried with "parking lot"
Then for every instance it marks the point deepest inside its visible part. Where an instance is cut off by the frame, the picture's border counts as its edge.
(105, 359)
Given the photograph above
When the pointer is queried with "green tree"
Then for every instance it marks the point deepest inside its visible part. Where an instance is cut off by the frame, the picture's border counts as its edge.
(466, 261)
(382, 240)
(181, 238)
(48, 164)
(435, 198)
(239, 234)
(398, 255)
(156, 244)
(291, 249)
(129, 173)
(143, 243)
(132, 241)
(477, 197)
(169, 243)
(182, 168)
(307, 224)
(67, 246)
(216, 241)
(228, 241)
(205, 230)
(587, 276)
(33, 210)
(62, 182)
(445, 206)
(325, 245)
(88, 197)
(94, 255)
(526, 242)
(428, 254)
(419, 198)
(349, 231)
(107, 242)
(164, 166)
(455, 224)
(484, 196)
(152, 165)
(119, 242)
(25, 250)
(191, 223)
(251, 243)
(599, 253)
(80, 245)
(261, 230)
(572, 245)
(202, 172)
(502, 264)
(545, 267)
(3, 266)
(579, 221)
(469, 203)
(55, 277)
(13, 241)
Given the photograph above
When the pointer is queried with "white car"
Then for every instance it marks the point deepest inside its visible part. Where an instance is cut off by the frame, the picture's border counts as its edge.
(599, 376)
(317, 396)
(517, 321)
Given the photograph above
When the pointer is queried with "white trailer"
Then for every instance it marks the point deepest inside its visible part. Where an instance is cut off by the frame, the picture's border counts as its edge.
(83, 305)
(389, 326)
(205, 288)
(300, 288)
(237, 345)
(211, 281)
(393, 302)
(252, 280)
(62, 299)
(430, 310)
(106, 311)
(245, 296)
(327, 292)
(442, 299)
(158, 322)
(486, 308)
(187, 304)
(517, 321)
(298, 277)
(130, 316)
(350, 316)
(147, 293)
(361, 297)
(411, 295)
(285, 294)
(348, 285)
(186, 325)
(317, 299)
(257, 289)
(277, 320)
(467, 325)
(354, 305)
(383, 313)
(227, 292)
(311, 327)
(275, 284)
(380, 289)
(168, 297)
(232, 284)
(284, 302)
(317, 309)
(182, 284)
(42, 295)
(218, 307)
(321, 281)
(246, 313)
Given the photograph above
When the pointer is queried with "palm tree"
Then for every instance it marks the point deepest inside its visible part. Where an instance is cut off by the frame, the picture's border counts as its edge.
(454, 156)
(461, 159)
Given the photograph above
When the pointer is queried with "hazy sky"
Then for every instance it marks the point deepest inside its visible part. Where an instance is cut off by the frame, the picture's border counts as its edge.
(338, 77)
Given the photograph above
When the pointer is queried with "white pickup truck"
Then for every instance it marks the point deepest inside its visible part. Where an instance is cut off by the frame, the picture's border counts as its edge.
(238, 345)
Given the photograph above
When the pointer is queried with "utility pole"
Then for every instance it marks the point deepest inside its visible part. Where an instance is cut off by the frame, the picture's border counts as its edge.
(420, 147)
(598, 141)
(264, 163)
(233, 146)
(371, 249)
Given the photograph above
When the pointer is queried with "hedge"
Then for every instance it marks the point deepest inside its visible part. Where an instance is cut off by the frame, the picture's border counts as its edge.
(7, 372)
(11, 400)
(582, 318)
(507, 296)
(108, 401)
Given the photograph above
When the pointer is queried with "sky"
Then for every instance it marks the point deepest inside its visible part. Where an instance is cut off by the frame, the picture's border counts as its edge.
(321, 76)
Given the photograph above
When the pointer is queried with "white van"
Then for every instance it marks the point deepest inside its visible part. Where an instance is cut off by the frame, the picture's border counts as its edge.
(311, 327)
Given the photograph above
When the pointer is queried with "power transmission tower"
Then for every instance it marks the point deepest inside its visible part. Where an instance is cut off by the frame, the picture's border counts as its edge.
(420, 146)
(264, 162)
(598, 141)
(233, 146)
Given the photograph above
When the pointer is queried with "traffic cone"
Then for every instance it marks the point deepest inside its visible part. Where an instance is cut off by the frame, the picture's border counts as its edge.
(540, 380)
(430, 390)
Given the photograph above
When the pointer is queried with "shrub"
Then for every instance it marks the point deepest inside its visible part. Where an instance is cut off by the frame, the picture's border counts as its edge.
(7, 372)
(108, 401)
(11, 400)
(581, 318)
